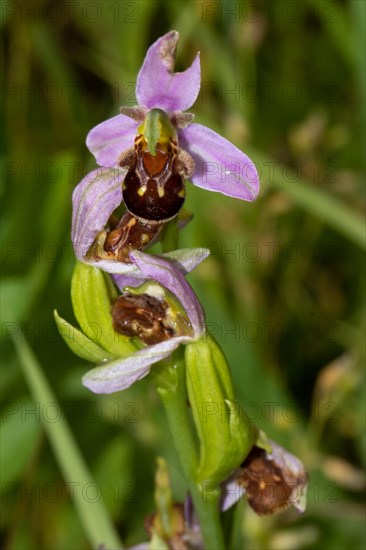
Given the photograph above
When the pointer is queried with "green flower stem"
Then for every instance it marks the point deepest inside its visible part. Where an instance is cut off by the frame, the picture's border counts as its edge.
(205, 497)
(206, 502)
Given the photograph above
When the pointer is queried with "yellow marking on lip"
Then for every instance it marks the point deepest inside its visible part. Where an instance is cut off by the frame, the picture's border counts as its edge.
(141, 191)
(132, 222)
(161, 192)
(182, 193)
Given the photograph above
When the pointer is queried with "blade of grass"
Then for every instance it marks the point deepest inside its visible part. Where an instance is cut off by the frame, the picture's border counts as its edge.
(94, 517)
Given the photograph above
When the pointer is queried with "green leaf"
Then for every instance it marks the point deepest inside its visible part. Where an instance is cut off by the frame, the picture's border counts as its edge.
(93, 514)
(92, 293)
(323, 205)
(113, 472)
(80, 344)
(15, 295)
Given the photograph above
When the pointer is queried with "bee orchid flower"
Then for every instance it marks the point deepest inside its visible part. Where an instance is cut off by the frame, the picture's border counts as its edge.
(271, 479)
(146, 153)
(163, 313)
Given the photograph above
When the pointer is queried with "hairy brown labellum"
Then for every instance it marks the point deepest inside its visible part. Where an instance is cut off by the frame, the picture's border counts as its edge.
(129, 234)
(123, 236)
(269, 486)
(143, 316)
(153, 189)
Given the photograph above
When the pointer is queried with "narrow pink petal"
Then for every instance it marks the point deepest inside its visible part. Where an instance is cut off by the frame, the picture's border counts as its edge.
(158, 86)
(110, 138)
(122, 373)
(94, 200)
(220, 166)
(167, 274)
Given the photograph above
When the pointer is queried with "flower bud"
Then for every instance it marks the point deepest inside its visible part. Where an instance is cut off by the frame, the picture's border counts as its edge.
(167, 525)
(225, 433)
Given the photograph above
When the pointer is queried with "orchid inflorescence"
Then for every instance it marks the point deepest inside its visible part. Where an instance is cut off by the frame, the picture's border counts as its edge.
(151, 322)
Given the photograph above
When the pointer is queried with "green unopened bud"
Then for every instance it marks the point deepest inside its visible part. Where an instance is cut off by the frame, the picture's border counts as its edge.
(166, 526)
(163, 499)
(157, 128)
(226, 435)
(92, 293)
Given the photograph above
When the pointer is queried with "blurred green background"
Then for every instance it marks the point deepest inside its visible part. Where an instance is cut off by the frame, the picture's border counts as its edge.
(282, 290)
